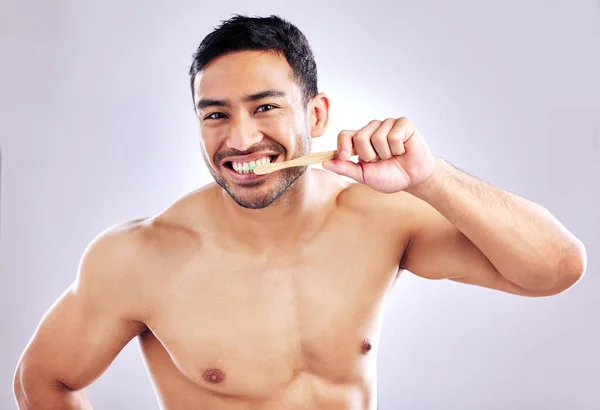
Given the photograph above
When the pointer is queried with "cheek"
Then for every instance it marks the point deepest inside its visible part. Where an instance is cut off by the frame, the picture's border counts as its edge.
(285, 129)
(209, 145)
(212, 136)
(275, 127)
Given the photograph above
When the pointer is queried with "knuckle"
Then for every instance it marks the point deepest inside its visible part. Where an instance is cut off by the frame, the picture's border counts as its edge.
(346, 133)
(404, 121)
(395, 138)
(360, 136)
(379, 137)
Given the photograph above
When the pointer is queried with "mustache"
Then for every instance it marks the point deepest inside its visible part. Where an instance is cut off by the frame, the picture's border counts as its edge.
(255, 148)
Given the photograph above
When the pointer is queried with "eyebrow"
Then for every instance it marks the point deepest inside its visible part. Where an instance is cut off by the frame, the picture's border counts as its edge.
(209, 102)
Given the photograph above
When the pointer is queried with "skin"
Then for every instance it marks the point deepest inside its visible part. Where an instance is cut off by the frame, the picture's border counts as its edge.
(239, 305)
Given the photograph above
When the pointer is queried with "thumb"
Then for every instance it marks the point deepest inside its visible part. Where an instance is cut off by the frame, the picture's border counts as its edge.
(345, 168)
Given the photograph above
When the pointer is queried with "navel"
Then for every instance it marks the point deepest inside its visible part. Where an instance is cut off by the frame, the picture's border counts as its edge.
(366, 346)
(213, 375)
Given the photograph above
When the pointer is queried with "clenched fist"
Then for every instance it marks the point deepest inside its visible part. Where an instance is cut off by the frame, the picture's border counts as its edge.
(392, 156)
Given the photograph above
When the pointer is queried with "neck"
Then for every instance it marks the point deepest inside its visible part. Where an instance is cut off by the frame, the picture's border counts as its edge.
(294, 216)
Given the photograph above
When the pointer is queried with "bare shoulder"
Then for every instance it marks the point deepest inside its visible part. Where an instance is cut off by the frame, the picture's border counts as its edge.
(107, 271)
(176, 228)
(126, 264)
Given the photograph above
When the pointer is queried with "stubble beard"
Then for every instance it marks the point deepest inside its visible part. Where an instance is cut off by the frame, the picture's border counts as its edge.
(255, 197)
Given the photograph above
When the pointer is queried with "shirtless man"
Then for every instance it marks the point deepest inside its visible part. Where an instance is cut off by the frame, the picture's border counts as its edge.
(266, 292)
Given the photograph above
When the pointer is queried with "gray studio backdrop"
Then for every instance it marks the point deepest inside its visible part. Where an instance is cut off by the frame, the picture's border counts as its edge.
(97, 127)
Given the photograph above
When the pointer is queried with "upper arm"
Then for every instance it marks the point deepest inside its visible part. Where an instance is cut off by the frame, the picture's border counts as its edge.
(89, 324)
(438, 250)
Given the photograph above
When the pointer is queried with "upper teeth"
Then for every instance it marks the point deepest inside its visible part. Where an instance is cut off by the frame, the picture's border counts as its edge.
(244, 167)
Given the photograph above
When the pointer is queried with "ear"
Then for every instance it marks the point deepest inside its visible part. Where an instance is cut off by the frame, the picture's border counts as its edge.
(318, 115)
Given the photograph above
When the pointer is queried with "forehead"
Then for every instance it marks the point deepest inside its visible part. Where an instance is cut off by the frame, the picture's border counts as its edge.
(242, 73)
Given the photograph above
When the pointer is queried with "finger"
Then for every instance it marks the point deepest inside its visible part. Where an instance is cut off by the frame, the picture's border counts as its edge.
(379, 139)
(345, 168)
(399, 134)
(362, 142)
(345, 144)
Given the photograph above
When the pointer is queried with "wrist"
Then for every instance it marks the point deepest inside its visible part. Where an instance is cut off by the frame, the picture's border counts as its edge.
(433, 184)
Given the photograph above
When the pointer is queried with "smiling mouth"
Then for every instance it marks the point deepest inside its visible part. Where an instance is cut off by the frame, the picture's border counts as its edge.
(243, 168)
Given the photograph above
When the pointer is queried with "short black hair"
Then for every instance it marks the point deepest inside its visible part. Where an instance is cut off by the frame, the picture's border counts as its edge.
(273, 33)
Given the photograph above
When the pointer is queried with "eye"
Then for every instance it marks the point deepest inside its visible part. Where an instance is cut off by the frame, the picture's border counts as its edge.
(214, 116)
(265, 107)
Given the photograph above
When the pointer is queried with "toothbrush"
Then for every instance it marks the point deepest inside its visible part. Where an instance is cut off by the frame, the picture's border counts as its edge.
(310, 159)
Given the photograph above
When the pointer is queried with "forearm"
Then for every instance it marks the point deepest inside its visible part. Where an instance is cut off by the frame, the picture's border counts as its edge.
(47, 395)
(525, 243)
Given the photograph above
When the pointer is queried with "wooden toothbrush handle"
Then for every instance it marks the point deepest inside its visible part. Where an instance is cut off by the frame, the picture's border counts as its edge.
(316, 158)
(310, 159)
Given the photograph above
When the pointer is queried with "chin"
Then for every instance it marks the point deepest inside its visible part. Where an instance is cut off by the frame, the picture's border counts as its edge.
(259, 193)
(253, 204)
(255, 195)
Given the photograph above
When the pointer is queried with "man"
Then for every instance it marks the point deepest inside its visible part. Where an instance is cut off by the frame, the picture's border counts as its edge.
(266, 292)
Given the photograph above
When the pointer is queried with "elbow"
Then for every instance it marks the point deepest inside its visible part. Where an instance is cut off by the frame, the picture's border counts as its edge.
(18, 390)
(572, 267)
(33, 390)
(24, 389)
(565, 273)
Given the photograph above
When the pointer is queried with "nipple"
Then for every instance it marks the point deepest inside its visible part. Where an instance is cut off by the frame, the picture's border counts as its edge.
(366, 346)
(213, 375)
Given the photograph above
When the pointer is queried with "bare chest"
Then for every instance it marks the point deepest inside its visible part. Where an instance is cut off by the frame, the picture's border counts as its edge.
(249, 325)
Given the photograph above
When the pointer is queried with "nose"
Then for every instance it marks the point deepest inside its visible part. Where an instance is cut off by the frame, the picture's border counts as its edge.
(243, 134)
